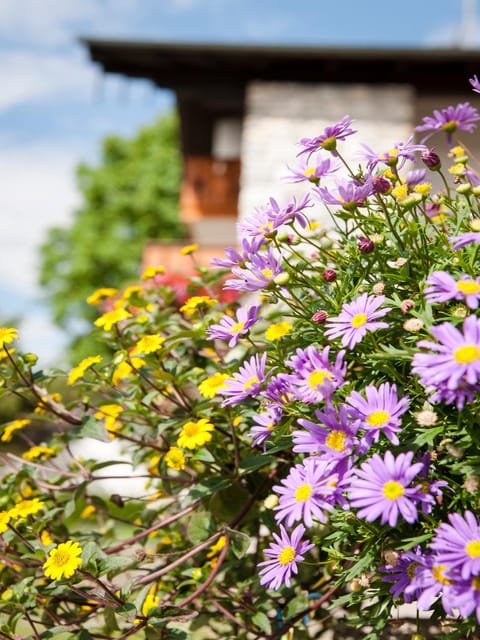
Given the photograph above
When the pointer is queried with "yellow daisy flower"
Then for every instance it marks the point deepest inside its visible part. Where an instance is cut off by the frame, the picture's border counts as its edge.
(195, 434)
(4, 520)
(26, 508)
(11, 427)
(130, 291)
(110, 318)
(192, 303)
(148, 344)
(88, 512)
(109, 413)
(124, 369)
(175, 458)
(212, 385)
(188, 249)
(44, 402)
(79, 371)
(7, 335)
(277, 331)
(63, 560)
(151, 272)
(150, 601)
(46, 538)
(38, 452)
(101, 294)
(217, 547)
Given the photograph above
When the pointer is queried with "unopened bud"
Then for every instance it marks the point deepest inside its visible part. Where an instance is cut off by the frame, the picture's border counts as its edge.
(391, 557)
(463, 189)
(378, 288)
(431, 160)
(471, 484)
(31, 358)
(282, 278)
(365, 245)
(329, 275)
(381, 184)
(319, 317)
(406, 305)
(271, 501)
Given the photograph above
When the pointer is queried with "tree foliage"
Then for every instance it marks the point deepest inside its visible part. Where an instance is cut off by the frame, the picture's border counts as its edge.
(130, 197)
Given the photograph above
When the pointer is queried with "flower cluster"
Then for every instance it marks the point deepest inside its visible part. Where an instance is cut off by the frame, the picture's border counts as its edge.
(325, 417)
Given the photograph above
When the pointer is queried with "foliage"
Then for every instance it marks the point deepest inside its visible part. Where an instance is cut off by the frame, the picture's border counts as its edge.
(129, 198)
(356, 380)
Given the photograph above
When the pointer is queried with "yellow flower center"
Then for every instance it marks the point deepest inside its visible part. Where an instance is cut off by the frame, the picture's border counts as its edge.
(267, 273)
(473, 548)
(268, 226)
(393, 490)
(437, 572)
(466, 354)
(378, 418)
(468, 287)
(411, 569)
(237, 327)
(303, 492)
(309, 172)
(330, 144)
(358, 320)
(250, 382)
(336, 440)
(450, 126)
(318, 377)
(286, 555)
(191, 429)
(61, 558)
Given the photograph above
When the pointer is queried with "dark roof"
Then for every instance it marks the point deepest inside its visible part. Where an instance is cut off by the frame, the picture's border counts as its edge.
(178, 65)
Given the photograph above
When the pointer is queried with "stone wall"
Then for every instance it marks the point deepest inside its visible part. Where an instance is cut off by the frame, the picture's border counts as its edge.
(279, 114)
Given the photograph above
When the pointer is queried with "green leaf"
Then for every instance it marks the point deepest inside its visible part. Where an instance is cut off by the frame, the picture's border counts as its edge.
(94, 428)
(251, 463)
(428, 436)
(199, 527)
(294, 606)
(239, 542)
(262, 622)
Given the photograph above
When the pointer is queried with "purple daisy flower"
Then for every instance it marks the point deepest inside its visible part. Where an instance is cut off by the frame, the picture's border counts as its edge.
(380, 488)
(402, 573)
(232, 328)
(356, 318)
(443, 287)
(264, 425)
(332, 439)
(415, 176)
(430, 579)
(312, 169)
(328, 139)
(431, 492)
(464, 239)
(278, 390)
(349, 194)
(462, 117)
(379, 412)
(474, 81)
(258, 273)
(310, 489)
(234, 258)
(284, 554)
(394, 157)
(246, 382)
(455, 361)
(315, 378)
(457, 545)
(463, 596)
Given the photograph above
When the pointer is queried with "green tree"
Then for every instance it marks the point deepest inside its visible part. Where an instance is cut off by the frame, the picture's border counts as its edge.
(130, 197)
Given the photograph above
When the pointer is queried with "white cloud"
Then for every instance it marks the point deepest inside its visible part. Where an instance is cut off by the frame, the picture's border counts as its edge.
(38, 191)
(25, 76)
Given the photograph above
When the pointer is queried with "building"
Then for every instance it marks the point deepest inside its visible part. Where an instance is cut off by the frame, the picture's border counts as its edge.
(243, 108)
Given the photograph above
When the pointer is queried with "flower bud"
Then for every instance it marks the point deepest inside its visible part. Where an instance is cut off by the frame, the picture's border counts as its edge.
(406, 305)
(365, 245)
(431, 160)
(381, 184)
(282, 278)
(329, 275)
(319, 317)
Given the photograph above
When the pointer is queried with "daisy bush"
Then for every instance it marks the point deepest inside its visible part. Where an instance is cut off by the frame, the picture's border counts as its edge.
(301, 429)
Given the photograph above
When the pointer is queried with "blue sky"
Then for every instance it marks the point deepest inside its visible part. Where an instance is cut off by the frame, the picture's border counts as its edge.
(55, 106)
